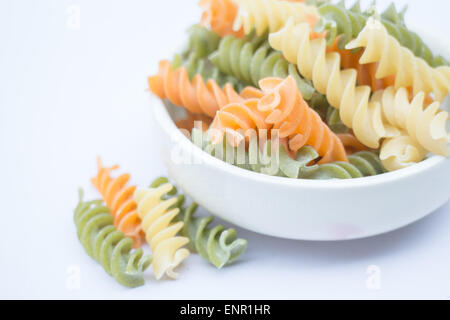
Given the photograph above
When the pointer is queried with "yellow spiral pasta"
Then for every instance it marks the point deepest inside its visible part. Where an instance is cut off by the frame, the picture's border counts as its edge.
(314, 63)
(271, 15)
(157, 215)
(401, 152)
(425, 126)
(398, 61)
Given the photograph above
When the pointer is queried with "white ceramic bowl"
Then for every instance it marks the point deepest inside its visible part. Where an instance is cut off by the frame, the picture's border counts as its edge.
(302, 209)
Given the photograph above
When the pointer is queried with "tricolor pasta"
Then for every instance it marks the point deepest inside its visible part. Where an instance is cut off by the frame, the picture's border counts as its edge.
(338, 85)
(288, 88)
(344, 24)
(217, 245)
(276, 161)
(250, 62)
(368, 85)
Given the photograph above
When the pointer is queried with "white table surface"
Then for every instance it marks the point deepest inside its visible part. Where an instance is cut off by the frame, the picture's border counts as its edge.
(68, 94)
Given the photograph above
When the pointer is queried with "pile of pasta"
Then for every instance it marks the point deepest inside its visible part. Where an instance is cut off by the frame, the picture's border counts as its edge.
(112, 230)
(350, 92)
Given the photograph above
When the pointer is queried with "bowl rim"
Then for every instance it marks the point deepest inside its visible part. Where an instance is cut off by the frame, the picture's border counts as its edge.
(165, 121)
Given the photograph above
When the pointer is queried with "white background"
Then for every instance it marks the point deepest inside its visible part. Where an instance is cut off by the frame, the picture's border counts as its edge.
(69, 95)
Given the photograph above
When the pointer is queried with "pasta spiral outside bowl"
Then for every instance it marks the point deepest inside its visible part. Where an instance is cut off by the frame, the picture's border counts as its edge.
(316, 210)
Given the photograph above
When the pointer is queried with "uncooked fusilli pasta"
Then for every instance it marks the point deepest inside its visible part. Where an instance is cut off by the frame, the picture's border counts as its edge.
(395, 60)
(201, 41)
(118, 197)
(196, 95)
(157, 214)
(251, 63)
(271, 15)
(346, 24)
(282, 107)
(340, 87)
(278, 162)
(104, 243)
(217, 245)
(219, 15)
(426, 125)
(194, 58)
(401, 152)
(363, 83)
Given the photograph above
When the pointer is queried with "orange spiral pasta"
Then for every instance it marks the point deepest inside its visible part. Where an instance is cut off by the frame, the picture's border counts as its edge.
(118, 197)
(282, 107)
(219, 16)
(196, 95)
(365, 72)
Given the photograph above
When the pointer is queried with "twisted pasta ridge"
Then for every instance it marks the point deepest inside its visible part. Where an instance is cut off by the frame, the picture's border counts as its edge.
(282, 107)
(426, 126)
(314, 63)
(250, 63)
(277, 161)
(345, 24)
(217, 245)
(366, 73)
(201, 66)
(106, 245)
(157, 214)
(396, 60)
(219, 15)
(118, 197)
(271, 15)
(361, 164)
(201, 41)
(289, 113)
(196, 95)
(401, 152)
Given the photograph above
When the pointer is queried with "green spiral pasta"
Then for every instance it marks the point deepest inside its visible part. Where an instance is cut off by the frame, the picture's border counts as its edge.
(217, 245)
(109, 247)
(251, 60)
(263, 160)
(346, 24)
(203, 67)
(361, 164)
(202, 42)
